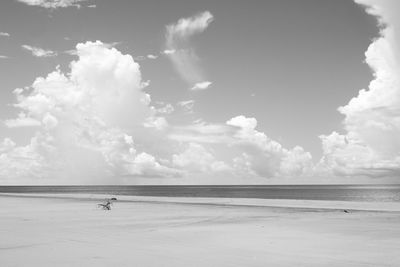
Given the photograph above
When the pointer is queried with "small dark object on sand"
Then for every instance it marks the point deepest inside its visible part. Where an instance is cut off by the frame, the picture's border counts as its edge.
(346, 211)
(105, 205)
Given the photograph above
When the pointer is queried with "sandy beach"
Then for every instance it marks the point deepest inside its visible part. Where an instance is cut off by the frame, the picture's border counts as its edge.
(70, 230)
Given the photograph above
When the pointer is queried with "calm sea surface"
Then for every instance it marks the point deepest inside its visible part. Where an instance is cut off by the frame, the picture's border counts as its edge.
(378, 193)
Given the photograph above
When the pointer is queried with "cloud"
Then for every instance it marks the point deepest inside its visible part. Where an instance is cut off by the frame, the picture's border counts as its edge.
(169, 51)
(3, 57)
(39, 52)
(86, 120)
(187, 105)
(53, 4)
(21, 161)
(179, 49)
(371, 144)
(6, 145)
(74, 52)
(4, 34)
(165, 108)
(262, 156)
(140, 58)
(196, 158)
(151, 56)
(252, 153)
(186, 27)
(158, 123)
(201, 86)
(22, 121)
(205, 133)
(96, 124)
(146, 165)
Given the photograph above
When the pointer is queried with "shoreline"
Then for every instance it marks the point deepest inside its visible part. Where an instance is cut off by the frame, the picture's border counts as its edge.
(251, 202)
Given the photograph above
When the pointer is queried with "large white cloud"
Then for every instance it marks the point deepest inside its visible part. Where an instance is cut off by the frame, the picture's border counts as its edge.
(196, 158)
(250, 153)
(371, 145)
(265, 157)
(95, 124)
(90, 121)
(25, 162)
(83, 119)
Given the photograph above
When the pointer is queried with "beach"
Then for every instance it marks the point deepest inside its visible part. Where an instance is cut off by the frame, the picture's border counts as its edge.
(70, 230)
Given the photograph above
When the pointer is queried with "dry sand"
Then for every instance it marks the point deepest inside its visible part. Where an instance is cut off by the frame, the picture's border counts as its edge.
(71, 231)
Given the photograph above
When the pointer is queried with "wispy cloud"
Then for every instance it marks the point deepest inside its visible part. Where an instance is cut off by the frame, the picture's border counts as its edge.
(165, 108)
(168, 51)
(4, 34)
(186, 27)
(151, 56)
(39, 52)
(179, 49)
(139, 58)
(3, 57)
(201, 86)
(53, 4)
(187, 105)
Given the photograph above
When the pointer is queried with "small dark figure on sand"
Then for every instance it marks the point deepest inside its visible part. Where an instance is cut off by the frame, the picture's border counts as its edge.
(106, 205)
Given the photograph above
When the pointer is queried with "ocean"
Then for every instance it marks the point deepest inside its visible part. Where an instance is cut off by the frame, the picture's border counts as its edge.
(374, 193)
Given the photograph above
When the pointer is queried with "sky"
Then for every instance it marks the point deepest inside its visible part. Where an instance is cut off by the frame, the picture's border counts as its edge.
(199, 92)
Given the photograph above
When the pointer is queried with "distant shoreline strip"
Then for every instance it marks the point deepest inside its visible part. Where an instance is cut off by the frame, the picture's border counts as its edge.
(252, 202)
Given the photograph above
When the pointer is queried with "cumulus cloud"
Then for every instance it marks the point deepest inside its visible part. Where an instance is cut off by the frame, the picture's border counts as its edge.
(196, 158)
(90, 123)
(159, 123)
(22, 121)
(147, 166)
(84, 118)
(371, 144)
(252, 153)
(201, 86)
(39, 52)
(201, 132)
(21, 161)
(53, 4)
(262, 156)
(179, 48)
(7, 145)
(4, 34)
(74, 52)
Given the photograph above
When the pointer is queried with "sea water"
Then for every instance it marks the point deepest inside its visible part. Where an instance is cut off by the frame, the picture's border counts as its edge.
(375, 193)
